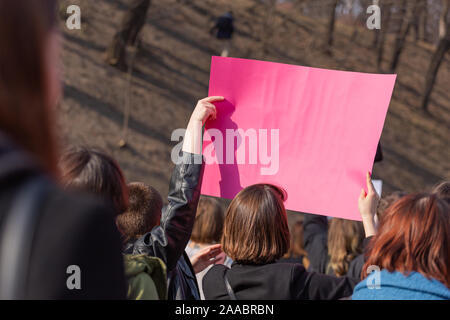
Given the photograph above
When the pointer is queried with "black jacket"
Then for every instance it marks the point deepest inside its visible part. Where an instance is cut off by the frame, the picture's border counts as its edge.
(72, 230)
(275, 281)
(168, 240)
(224, 27)
(315, 239)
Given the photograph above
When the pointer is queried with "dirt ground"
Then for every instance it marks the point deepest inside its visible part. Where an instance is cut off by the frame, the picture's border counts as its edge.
(171, 72)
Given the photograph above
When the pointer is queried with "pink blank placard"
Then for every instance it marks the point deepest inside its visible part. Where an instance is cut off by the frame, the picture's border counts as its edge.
(329, 124)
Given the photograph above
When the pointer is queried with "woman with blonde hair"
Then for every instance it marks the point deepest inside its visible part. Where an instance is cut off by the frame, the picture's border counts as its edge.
(331, 248)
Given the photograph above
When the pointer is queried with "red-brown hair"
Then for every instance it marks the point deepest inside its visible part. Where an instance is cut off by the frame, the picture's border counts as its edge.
(414, 235)
(25, 116)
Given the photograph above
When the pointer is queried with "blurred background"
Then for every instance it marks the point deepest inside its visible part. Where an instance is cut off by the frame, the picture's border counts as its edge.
(168, 71)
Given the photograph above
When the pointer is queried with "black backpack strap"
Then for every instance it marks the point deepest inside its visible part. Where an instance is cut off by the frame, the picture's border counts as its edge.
(17, 237)
(228, 286)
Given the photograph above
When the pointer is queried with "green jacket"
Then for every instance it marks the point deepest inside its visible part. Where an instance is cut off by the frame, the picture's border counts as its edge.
(146, 276)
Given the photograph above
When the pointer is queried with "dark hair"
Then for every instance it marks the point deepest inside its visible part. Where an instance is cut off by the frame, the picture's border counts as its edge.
(25, 114)
(414, 235)
(208, 224)
(143, 213)
(256, 229)
(95, 172)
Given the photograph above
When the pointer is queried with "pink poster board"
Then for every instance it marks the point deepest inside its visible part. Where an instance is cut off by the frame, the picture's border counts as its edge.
(316, 132)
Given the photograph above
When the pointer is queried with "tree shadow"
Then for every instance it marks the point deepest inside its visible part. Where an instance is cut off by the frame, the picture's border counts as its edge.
(104, 109)
(182, 37)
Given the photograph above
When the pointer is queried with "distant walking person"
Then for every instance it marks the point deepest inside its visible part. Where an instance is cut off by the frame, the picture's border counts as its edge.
(131, 25)
(224, 31)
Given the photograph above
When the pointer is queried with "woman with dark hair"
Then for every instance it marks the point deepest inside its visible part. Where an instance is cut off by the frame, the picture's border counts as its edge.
(412, 250)
(53, 245)
(255, 236)
(94, 172)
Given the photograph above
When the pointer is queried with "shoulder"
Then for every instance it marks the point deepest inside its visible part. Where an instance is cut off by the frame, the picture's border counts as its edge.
(286, 266)
(213, 283)
(80, 231)
(215, 272)
(80, 206)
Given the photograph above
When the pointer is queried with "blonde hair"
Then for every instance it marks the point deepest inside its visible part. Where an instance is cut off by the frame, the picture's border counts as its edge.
(344, 244)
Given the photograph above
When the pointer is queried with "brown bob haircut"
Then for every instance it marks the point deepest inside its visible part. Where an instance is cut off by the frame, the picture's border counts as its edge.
(25, 113)
(414, 235)
(143, 213)
(208, 224)
(95, 172)
(256, 228)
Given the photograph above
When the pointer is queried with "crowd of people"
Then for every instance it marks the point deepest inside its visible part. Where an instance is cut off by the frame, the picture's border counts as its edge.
(76, 209)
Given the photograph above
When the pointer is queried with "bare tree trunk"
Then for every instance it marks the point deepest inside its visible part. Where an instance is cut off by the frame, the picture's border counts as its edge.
(418, 12)
(268, 26)
(425, 22)
(438, 57)
(332, 23)
(385, 18)
(377, 32)
(411, 12)
(443, 23)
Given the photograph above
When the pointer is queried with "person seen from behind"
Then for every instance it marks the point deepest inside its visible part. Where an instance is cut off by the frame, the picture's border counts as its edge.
(255, 236)
(168, 240)
(53, 244)
(409, 252)
(296, 252)
(332, 246)
(223, 30)
(207, 231)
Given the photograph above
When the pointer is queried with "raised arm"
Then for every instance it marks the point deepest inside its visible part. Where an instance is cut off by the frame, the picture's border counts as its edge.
(367, 204)
(169, 240)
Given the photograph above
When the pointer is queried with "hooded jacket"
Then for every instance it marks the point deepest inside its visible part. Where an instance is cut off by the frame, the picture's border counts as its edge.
(147, 277)
(385, 285)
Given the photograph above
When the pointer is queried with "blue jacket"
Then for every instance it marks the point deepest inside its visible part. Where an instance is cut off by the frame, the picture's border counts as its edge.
(397, 286)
